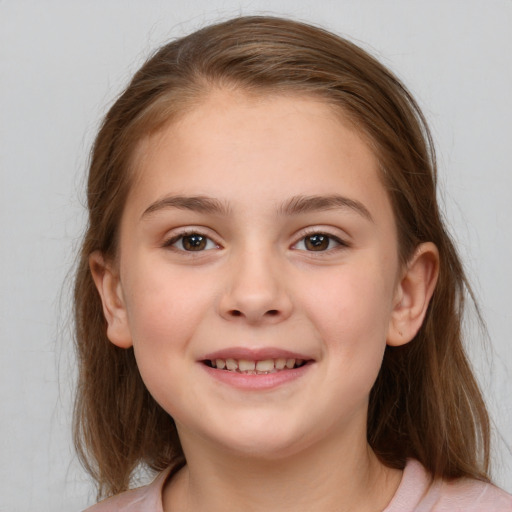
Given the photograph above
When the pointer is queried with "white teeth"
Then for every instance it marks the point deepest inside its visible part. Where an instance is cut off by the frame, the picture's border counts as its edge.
(244, 365)
(265, 366)
(231, 364)
(280, 363)
(256, 367)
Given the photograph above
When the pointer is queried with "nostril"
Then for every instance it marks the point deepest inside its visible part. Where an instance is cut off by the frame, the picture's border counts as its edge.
(235, 312)
(272, 312)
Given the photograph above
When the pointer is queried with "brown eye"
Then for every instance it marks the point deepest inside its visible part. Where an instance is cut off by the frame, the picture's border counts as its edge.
(194, 242)
(317, 242)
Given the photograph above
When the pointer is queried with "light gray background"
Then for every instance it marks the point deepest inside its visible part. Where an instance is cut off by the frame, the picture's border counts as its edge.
(61, 65)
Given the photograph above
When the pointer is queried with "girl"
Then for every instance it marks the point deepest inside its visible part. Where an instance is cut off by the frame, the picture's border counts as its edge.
(268, 306)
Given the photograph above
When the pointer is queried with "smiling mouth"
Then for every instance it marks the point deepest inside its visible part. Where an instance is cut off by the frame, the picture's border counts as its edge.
(262, 367)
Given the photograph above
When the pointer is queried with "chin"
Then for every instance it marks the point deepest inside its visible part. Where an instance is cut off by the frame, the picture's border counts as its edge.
(265, 442)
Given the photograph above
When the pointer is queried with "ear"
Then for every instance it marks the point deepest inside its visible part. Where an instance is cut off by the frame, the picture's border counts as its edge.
(413, 294)
(107, 281)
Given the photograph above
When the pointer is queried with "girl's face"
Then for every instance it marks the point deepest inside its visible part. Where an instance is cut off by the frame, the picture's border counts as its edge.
(257, 235)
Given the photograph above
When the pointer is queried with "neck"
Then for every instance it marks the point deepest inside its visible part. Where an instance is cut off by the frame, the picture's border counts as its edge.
(324, 478)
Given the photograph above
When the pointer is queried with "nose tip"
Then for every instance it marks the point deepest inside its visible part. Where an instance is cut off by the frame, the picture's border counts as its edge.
(253, 316)
(256, 294)
(255, 310)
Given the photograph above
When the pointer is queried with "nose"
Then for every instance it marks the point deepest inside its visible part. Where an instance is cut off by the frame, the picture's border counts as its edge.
(256, 291)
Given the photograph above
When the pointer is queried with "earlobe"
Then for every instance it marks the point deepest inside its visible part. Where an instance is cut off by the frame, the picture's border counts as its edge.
(413, 294)
(107, 282)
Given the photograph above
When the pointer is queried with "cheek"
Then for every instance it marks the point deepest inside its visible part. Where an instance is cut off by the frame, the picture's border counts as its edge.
(165, 310)
(163, 323)
(163, 299)
(351, 314)
(356, 298)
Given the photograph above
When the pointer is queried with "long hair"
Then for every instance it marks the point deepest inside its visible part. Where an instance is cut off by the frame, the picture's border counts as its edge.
(425, 403)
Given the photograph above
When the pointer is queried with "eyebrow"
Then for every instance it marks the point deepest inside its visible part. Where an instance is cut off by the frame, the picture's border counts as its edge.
(201, 204)
(306, 204)
(295, 206)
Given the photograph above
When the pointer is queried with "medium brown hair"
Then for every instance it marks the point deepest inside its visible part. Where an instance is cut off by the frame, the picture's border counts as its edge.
(425, 403)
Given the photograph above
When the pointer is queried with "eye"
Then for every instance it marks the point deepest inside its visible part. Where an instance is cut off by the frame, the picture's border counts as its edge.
(192, 242)
(318, 242)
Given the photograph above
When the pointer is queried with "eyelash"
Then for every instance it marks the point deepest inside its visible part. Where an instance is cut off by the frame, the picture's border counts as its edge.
(182, 236)
(340, 244)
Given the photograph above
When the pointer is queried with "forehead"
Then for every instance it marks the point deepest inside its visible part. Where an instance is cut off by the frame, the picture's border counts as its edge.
(232, 144)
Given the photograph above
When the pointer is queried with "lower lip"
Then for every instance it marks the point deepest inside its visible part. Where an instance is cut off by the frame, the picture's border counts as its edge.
(257, 382)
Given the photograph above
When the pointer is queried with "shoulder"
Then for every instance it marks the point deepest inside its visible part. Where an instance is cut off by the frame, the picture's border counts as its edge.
(470, 495)
(418, 493)
(126, 502)
(142, 499)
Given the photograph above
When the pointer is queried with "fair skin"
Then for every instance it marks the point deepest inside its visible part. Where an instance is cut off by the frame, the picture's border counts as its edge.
(258, 230)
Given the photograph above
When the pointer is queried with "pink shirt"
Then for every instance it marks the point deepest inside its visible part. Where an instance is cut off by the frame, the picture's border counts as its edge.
(415, 494)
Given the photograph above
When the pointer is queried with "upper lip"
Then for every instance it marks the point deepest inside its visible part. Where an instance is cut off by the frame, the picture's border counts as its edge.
(255, 354)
